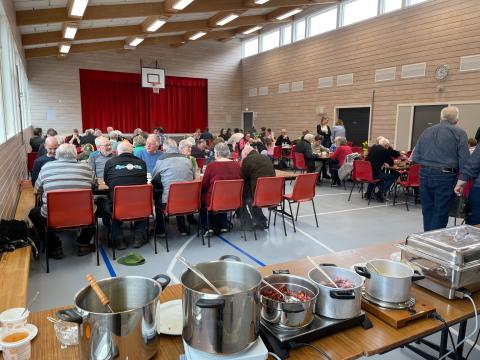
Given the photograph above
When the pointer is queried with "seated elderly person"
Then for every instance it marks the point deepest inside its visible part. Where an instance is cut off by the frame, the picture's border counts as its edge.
(185, 148)
(73, 139)
(211, 154)
(221, 169)
(338, 158)
(151, 153)
(139, 143)
(36, 140)
(97, 160)
(64, 174)
(87, 149)
(304, 147)
(114, 139)
(124, 169)
(317, 149)
(41, 149)
(88, 138)
(380, 156)
(200, 150)
(173, 167)
(254, 166)
(283, 139)
(51, 145)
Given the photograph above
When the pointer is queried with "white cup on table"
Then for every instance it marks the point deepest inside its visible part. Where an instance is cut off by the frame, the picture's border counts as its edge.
(12, 319)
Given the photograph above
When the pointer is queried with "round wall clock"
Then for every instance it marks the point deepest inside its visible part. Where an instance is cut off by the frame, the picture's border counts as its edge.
(441, 72)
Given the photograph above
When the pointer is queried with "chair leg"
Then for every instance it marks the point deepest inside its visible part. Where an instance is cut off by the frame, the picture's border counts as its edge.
(406, 198)
(291, 214)
(166, 236)
(370, 195)
(269, 215)
(351, 191)
(208, 229)
(46, 251)
(275, 216)
(315, 212)
(112, 242)
(95, 238)
(395, 194)
(283, 218)
(296, 215)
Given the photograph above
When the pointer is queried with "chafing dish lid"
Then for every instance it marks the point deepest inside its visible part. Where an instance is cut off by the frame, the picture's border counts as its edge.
(459, 245)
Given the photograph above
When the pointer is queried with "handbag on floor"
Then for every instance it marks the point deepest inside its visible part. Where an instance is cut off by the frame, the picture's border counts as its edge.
(458, 207)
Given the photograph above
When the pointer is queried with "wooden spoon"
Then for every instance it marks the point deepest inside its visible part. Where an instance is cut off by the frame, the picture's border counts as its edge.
(99, 292)
(322, 271)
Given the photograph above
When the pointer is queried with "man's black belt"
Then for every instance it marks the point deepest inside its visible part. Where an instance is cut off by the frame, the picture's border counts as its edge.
(441, 168)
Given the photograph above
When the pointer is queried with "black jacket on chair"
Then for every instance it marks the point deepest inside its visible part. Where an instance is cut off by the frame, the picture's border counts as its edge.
(305, 148)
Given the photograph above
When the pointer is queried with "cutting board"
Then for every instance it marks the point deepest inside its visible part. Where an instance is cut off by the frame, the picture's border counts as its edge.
(397, 318)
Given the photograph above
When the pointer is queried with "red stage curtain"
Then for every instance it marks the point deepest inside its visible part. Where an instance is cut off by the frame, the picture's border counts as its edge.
(118, 100)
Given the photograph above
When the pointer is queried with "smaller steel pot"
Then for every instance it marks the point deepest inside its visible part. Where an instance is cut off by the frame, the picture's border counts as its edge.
(337, 303)
(390, 282)
(289, 315)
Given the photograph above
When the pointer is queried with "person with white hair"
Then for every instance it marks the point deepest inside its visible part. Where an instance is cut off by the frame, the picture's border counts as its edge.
(98, 159)
(442, 150)
(172, 167)
(63, 174)
(114, 139)
(380, 156)
(338, 158)
(151, 153)
(304, 146)
(88, 138)
(121, 170)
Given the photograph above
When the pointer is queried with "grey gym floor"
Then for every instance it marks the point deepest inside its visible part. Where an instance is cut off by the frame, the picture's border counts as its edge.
(342, 225)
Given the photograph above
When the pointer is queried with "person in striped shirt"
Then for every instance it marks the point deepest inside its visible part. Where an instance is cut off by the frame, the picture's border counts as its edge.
(64, 174)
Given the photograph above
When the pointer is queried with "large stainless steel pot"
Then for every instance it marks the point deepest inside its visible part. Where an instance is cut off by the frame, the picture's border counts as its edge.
(333, 302)
(227, 323)
(289, 314)
(388, 280)
(127, 333)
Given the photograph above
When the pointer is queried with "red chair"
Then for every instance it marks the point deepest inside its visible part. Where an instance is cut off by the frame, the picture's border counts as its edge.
(300, 163)
(132, 203)
(277, 153)
(269, 194)
(350, 143)
(291, 156)
(411, 182)
(31, 156)
(303, 190)
(234, 156)
(70, 210)
(201, 162)
(362, 174)
(183, 199)
(227, 196)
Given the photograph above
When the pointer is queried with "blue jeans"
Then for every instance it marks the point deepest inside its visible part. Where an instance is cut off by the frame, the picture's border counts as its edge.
(436, 192)
(474, 204)
(387, 181)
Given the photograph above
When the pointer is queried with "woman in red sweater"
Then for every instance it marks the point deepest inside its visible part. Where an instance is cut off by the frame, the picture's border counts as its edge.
(221, 169)
(338, 158)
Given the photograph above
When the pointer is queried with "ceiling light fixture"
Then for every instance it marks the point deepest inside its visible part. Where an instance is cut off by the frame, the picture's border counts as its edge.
(289, 13)
(260, 2)
(197, 35)
(252, 29)
(155, 25)
(64, 48)
(227, 19)
(77, 8)
(181, 4)
(69, 31)
(135, 41)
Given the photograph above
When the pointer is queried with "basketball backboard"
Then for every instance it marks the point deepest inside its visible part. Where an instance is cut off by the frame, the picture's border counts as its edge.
(153, 76)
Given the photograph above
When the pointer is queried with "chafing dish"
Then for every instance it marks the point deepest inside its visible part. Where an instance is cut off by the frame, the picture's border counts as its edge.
(449, 258)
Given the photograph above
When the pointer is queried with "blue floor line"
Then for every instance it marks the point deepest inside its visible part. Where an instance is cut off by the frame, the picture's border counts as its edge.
(242, 251)
(108, 264)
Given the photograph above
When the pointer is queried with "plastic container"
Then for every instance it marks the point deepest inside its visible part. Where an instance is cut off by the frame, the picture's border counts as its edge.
(16, 350)
(67, 333)
(13, 319)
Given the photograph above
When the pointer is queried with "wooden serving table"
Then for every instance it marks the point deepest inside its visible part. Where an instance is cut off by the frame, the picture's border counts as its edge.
(352, 343)
(14, 268)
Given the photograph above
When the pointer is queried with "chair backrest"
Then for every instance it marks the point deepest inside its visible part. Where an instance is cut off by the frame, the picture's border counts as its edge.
(201, 162)
(277, 152)
(234, 156)
(300, 161)
(357, 149)
(132, 202)
(362, 170)
(70, 208)
(305, 187)
(268, 191)
(183, 198)
(226, 195)
(413, 178)
(31, 156)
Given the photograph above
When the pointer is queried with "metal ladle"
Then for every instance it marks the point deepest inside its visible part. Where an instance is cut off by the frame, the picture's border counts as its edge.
(199, 274)
(30, 303)
(370, 263)
(287, 298)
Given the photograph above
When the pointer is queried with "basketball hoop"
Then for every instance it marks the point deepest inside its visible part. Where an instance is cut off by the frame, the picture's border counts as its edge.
(156, 87)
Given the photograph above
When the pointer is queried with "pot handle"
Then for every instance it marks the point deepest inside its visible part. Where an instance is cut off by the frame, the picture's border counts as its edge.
(342, 295)
(69, 315)
(417, 276)
(327, 264)
(362, 271)
(210, 303)
(230, 257)
(165, 282)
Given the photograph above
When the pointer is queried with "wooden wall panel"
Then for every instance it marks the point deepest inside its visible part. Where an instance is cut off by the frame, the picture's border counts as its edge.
(436, 32)
(55, 84)
(13, 168)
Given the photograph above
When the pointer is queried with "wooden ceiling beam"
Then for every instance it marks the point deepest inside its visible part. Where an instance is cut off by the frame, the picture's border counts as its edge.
(101, 12)
(132, 30)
